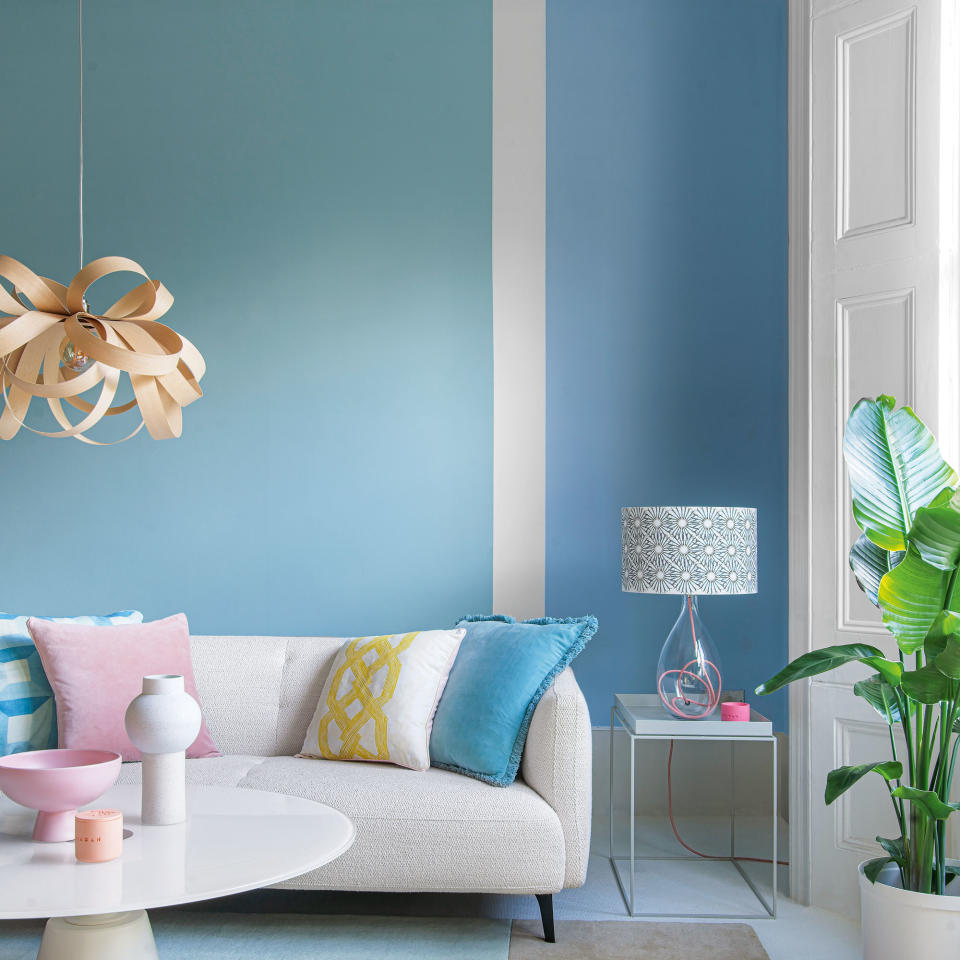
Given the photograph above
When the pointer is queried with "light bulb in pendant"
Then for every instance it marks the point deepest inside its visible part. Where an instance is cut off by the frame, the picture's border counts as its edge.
(74, 359)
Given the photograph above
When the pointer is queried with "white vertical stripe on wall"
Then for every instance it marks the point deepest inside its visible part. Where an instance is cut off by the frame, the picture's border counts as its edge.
(519, 369)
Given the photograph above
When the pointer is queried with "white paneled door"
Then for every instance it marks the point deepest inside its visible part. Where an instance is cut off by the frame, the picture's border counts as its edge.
(882, 319)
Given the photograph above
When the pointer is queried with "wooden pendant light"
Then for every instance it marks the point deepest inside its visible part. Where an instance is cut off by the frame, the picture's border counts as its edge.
(53, 348)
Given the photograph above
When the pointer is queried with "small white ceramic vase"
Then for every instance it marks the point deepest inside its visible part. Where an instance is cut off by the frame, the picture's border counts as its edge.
(162, 722)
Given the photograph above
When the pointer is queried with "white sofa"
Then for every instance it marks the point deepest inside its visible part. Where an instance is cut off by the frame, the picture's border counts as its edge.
(416, 831)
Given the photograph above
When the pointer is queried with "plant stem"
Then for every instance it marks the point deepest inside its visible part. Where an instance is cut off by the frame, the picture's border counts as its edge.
(897, 802)
(953, 761)
(918, 775)
(922, 832)
(923, 756)
(903, 704)
(934, 777)
(941, 876)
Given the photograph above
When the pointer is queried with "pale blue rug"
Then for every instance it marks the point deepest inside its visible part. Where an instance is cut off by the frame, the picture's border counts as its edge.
(231, 936)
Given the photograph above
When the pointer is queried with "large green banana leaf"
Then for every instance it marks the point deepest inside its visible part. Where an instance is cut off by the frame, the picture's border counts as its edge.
(914, 593)
(815, 662)
(932, 805)
(843, 778)
(936, 530)
(912, 596)
(881, 696)
(928, 685)
(948, 661)
(869, 563)
(895, 468)
(945, 628)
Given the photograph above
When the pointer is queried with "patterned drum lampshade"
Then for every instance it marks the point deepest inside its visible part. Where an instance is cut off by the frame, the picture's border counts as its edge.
(689, 551)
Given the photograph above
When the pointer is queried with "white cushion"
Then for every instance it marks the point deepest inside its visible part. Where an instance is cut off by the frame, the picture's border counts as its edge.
(380, 696)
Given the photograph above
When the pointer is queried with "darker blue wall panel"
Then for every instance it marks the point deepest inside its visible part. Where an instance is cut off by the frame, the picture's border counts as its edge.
(666, 313)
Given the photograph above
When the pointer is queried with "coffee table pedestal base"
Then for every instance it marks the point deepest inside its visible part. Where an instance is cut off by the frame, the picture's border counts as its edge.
(102, 936)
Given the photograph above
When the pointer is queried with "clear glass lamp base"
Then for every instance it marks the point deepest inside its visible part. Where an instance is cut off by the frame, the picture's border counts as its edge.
(688, 673)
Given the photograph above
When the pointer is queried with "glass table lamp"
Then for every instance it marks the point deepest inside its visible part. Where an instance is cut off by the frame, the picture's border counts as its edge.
(689, 551)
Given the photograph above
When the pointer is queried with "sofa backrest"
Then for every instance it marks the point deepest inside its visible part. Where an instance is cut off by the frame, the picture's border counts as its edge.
(258, 694)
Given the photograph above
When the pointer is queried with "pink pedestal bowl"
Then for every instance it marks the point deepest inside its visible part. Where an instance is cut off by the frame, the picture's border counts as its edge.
(55, 783)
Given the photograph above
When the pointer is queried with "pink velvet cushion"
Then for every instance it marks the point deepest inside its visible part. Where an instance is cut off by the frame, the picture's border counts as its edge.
(96, 671)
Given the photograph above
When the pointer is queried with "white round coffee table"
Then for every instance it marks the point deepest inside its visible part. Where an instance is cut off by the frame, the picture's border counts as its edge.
(233, 840)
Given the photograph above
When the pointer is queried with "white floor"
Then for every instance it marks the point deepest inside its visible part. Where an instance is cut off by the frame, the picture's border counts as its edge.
(798, 933)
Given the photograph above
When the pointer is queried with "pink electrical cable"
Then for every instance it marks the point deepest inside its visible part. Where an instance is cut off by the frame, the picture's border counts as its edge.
(672, 703)
(712, 691)
(713, 698)
(676, 833)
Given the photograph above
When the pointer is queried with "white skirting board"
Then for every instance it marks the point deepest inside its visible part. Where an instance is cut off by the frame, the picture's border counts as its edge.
(701, 776)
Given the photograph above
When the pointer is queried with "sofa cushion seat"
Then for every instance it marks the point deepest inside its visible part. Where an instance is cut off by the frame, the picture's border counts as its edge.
(428, 831)
(225, 771)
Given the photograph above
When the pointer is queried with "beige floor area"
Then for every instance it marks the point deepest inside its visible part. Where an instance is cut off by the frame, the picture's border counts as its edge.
(618, 940)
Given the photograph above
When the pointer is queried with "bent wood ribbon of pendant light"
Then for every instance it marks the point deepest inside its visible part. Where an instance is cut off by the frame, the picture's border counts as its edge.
(41, 316)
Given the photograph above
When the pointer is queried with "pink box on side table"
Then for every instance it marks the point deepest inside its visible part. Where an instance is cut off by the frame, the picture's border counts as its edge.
(733, 710)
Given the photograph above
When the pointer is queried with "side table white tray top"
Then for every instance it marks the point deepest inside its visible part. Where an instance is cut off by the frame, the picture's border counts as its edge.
(642, 714)
(233, 840)
(642, 717)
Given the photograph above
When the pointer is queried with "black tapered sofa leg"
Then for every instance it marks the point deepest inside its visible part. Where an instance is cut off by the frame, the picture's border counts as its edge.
(545, 900)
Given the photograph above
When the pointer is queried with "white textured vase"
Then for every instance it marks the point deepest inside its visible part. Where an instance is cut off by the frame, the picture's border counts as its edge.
(901, 923)
(162, 722)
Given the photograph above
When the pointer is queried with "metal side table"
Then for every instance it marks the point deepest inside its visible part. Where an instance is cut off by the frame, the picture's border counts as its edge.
(642, 717)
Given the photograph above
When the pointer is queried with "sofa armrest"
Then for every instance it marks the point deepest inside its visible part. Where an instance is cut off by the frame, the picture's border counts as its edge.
(557, 763)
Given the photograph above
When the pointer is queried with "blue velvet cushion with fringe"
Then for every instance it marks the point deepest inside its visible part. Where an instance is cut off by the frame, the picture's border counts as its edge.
(501, 672)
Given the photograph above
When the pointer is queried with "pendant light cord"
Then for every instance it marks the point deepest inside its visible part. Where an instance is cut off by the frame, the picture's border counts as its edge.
(80, 85)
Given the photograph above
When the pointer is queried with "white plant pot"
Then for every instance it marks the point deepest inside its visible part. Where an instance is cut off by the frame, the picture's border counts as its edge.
(898, 923)
(161, 723)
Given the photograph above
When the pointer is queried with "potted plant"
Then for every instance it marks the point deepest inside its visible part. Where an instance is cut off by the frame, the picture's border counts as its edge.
(907, 505)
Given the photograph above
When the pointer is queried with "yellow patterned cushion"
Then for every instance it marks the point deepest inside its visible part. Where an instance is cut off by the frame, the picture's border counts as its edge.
(380, 697)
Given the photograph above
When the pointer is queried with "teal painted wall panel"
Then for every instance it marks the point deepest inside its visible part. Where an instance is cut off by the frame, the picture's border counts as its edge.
(311, 180)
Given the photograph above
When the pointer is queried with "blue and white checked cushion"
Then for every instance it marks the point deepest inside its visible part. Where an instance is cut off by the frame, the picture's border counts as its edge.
(28, 716)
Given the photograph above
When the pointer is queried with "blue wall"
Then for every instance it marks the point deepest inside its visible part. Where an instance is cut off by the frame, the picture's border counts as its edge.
(311, 180)
(666, 312)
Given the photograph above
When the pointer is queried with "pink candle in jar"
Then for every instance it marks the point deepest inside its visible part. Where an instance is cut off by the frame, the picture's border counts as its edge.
(99, 835)
(735, 711)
